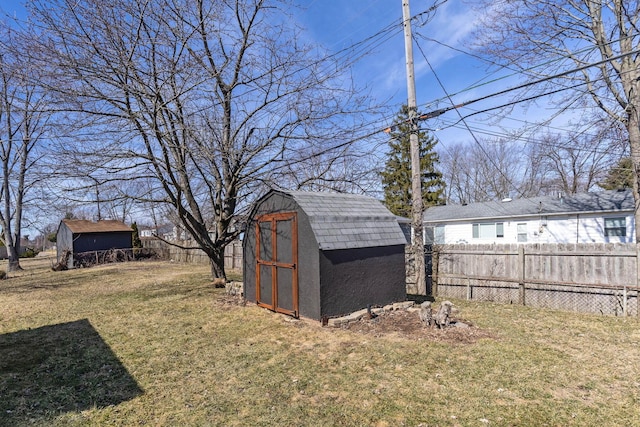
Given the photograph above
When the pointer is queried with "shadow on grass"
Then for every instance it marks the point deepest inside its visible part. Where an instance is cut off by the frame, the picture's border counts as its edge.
(48, 280)
(419, 299)
(59, 368)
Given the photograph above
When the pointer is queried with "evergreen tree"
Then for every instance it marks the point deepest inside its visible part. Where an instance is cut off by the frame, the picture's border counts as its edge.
(396, 176)
(137, 243)
(620, 176)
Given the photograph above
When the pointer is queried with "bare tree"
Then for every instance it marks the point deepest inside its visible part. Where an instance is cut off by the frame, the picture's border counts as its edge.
(535, 179)
(346, 173)
(212, 100)
(101, 196)
(578, 162)
(22, 121)
(528, 167)
(596, 39)
(463, 182)
(485, 170)
(500, 164)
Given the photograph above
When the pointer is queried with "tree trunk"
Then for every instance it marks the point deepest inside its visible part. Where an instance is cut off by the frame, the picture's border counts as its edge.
(216, 258)
(13, 252)
(633, 127)
(14, 261)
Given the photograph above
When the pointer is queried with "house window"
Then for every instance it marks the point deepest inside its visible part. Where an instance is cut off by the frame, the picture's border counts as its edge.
(488, 230)
(439, 234)
(615, 227)
(522, 232)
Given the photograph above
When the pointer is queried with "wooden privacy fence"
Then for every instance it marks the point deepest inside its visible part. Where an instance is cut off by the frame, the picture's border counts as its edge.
(232, 253)
(596, 278)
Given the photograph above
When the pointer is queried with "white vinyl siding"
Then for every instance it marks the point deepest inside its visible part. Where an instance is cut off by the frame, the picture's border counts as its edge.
(584, 228)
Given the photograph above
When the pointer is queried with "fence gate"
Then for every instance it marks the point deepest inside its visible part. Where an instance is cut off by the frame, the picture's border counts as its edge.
(277, 259)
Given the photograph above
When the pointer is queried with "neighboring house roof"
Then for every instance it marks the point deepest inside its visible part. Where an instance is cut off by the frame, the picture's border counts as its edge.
(604, 201)
(83, 226)
(343, 221)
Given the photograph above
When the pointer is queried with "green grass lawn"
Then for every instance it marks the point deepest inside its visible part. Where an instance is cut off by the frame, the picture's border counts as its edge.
(153, 343)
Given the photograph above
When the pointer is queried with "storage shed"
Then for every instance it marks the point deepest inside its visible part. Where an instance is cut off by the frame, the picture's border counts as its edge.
(77, 236)
(322, 255)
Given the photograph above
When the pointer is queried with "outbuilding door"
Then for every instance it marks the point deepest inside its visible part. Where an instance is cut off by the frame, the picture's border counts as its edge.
(277, 259)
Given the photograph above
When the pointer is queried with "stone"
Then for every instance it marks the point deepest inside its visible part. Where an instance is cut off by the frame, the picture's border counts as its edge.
(402, 305)
(335, 322)
(234, 288)
(425, 314)
(442, 317)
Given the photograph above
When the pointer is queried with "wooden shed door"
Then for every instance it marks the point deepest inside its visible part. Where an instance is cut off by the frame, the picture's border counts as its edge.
(277, 258)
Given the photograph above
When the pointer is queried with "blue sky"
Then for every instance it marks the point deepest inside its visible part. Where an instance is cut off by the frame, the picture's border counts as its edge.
(339, 24)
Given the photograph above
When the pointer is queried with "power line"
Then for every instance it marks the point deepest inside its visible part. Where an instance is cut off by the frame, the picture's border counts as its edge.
(441, 111)
(537, 141)
(479, 83)
(511, 103)
(468, 128)
(491, 160)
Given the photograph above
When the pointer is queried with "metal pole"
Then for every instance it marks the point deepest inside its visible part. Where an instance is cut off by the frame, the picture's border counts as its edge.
(416, 184)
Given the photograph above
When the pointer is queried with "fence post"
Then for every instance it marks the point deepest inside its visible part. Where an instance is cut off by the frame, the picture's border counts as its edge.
(638, 279)
(469, 294)
(434, 272)
(233, 255)
(236, 256)
(521, 274)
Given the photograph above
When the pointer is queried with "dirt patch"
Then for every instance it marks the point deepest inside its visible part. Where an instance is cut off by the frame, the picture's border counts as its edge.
(400, 323)
(226, 300)
(406, 324)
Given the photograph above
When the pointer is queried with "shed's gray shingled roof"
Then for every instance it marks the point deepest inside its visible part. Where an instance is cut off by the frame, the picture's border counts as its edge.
(603, 201)
(344, 221)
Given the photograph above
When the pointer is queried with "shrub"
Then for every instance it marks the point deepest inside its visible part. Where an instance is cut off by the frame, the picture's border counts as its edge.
(29, 253)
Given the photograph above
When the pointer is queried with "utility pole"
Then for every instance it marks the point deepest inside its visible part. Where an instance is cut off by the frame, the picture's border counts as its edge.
(416, 182)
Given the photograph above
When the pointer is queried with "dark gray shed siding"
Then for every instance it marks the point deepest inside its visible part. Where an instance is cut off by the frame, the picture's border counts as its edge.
(91, 242)
(350, 252)
(308, 262)
(355, 278)
(79, 242)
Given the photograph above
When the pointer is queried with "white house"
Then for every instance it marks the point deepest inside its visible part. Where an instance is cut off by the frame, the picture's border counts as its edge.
(600, 217)
(166, 231)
